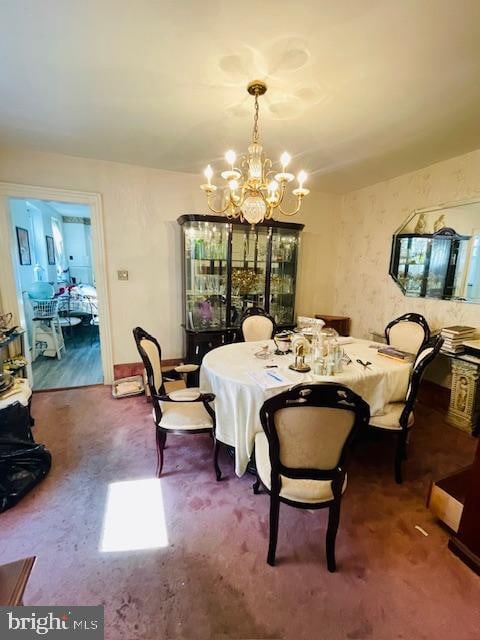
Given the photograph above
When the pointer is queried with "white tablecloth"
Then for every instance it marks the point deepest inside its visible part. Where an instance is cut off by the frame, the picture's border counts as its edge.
(226, 372)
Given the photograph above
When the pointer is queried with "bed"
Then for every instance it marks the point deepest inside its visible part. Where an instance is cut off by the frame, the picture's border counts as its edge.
(82, 300)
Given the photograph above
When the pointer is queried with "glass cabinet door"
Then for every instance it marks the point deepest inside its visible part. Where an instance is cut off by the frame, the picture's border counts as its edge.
(206, 267)
(249, 269)
(438, 267)
(283, 274)
(416, 265)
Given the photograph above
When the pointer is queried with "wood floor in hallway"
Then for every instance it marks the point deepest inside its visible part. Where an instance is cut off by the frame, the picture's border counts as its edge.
(79, 366)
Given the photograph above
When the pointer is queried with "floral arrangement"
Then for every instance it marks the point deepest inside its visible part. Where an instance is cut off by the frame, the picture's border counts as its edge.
(244, 280)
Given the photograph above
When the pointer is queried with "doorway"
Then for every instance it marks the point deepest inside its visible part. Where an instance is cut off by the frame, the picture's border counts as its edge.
(54, 283)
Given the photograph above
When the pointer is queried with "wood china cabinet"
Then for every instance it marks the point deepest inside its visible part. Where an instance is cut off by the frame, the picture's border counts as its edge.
(229, 266)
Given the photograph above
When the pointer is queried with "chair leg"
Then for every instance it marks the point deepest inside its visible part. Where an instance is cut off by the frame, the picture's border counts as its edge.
(405, 447)
(53, 331)
(274, 517)
(218, 471)
(34, 342)
(400, 455)
(161, 439)
(61, 339)
(256, 485)
(333, 521)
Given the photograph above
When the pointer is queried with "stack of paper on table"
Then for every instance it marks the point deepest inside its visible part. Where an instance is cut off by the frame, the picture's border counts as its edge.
(270, 378)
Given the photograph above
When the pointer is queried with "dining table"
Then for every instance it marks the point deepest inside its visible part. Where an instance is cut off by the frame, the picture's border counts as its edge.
(242, 381)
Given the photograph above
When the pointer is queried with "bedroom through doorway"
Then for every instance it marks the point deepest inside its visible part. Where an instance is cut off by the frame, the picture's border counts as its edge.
(55, 282)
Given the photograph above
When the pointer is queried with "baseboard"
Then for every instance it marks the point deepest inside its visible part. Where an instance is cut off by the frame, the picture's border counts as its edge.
(136, 368)
(434, 395)
(82, 386)
(465, 554)
(430, 394)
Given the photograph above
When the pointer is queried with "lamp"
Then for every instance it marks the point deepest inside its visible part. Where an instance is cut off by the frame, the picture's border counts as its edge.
(254, 191)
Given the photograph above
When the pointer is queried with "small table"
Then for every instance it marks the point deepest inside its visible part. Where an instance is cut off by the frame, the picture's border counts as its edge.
(13, 580)
(464, 409)
(227, 372)
(339, 323)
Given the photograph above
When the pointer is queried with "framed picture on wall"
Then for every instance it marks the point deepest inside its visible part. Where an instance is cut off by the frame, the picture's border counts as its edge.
(23, 246)
(50, 250)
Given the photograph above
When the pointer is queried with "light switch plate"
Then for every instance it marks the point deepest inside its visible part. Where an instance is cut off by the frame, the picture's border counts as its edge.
(122, 274)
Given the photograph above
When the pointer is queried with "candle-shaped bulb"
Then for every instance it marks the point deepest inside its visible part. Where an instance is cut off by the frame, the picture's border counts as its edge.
(302, 176)
(230, 157)
(208, 173)
(285, 160)
(272, 187)
(233, 185)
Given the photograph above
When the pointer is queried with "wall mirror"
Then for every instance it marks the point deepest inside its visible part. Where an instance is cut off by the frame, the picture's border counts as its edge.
(435, 253)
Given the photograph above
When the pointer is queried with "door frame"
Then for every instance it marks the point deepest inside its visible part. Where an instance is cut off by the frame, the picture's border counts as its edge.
(8, 289)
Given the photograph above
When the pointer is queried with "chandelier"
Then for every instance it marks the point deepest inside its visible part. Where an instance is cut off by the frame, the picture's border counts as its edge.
(254, 191)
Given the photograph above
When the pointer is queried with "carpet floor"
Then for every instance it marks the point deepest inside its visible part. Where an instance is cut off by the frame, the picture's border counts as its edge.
(211, 580)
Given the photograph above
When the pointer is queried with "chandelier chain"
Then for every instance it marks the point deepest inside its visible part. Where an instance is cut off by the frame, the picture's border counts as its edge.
(255, 120)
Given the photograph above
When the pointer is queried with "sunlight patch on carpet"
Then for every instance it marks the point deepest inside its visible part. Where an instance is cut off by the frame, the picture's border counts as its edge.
(134, 516)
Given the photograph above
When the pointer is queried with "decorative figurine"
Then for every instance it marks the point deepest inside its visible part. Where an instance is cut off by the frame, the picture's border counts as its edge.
(439, 223)
(300, 346)
(421, 225)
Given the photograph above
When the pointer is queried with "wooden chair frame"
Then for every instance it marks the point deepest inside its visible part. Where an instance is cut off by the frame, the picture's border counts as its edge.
(160, 395)
(410, 401)
(327, 395)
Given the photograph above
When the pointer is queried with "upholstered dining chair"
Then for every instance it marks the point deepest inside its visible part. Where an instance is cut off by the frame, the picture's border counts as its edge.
(301, 453)
(256, 324)
(398, 418)
(409, 333)
(181, 412)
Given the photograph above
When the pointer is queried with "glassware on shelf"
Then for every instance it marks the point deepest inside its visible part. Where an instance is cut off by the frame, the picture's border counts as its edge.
(237, 264)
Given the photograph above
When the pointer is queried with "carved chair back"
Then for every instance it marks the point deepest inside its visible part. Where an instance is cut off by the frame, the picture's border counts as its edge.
(309, 428)
(409, 333)
(256, 325)
(423, 359)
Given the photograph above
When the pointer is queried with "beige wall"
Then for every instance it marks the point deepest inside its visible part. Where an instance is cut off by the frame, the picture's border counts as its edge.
(318, 253)
(364, 290)
(345, 247)
(141, 206)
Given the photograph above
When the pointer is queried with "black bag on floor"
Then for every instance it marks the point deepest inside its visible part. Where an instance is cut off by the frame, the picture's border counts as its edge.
(23, 463)
(15, 422)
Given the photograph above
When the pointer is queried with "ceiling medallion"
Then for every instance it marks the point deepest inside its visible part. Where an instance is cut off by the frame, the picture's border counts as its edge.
(254, 191)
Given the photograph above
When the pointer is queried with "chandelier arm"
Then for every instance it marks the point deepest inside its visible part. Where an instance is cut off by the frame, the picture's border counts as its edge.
(219, 211)
(239, 201)
(296, 210)
(280, 196)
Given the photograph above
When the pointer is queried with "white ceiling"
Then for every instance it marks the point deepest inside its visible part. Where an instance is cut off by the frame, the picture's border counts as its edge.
(359, 90)
(70, 209)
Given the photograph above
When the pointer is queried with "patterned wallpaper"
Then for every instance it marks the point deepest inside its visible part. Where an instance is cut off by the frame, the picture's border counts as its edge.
(363, 289)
